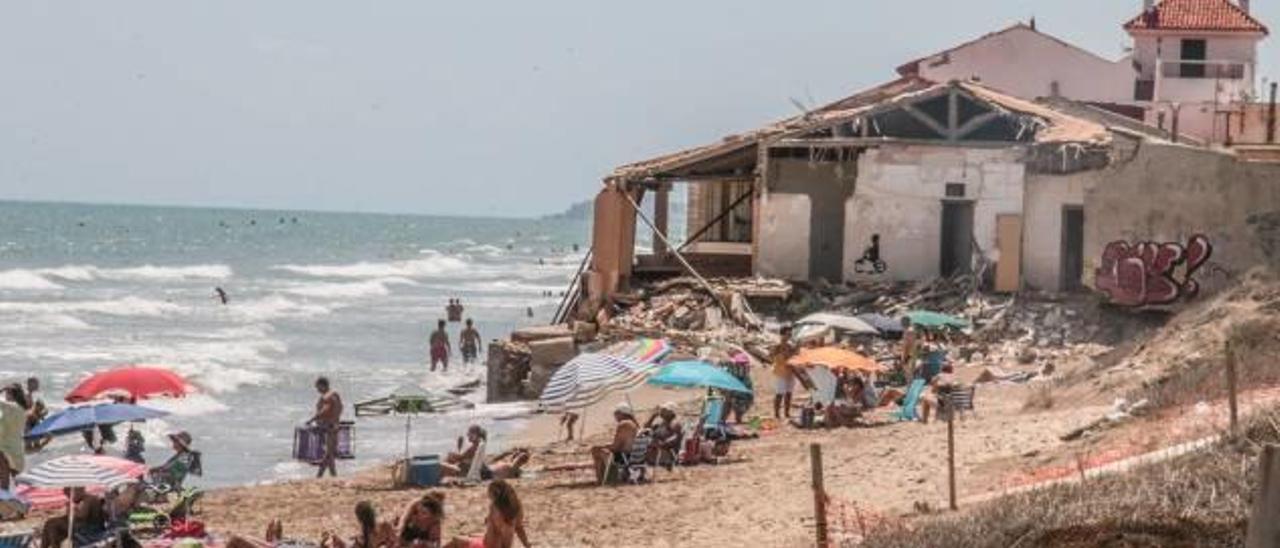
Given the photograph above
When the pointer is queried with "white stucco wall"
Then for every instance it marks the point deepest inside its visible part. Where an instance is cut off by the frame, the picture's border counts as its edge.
(1168, 48)
(1023, 62)
(783, 250)
(899, 194)
(1045, 198)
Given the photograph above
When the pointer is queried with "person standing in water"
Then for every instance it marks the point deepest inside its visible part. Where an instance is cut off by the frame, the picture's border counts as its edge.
(328, 414)
(440, 347)
(469, 341)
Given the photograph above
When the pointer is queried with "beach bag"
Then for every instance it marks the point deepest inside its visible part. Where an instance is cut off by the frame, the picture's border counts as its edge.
(187, 528)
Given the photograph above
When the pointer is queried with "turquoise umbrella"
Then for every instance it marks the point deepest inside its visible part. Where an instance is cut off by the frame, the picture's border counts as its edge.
(936, 320)
(696, 374)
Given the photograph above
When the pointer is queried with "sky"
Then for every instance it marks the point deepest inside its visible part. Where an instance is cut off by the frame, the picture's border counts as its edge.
(463, 108)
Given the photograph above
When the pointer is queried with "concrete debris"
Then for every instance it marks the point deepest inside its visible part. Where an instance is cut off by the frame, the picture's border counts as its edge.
(1121, 410)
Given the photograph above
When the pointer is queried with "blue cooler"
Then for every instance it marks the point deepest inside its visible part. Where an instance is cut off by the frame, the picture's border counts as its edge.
(424, 471)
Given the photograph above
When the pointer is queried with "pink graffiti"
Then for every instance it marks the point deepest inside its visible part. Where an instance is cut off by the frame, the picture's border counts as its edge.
(1150, 273)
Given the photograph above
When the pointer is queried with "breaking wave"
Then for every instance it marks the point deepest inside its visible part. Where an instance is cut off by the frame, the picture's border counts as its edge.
(433, 264)
(127, 306)
(276, 306)
(84, 273)
(350, 290)
(26, 280)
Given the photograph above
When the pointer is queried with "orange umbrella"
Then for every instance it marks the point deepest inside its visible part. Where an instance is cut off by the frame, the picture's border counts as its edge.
(835, 358)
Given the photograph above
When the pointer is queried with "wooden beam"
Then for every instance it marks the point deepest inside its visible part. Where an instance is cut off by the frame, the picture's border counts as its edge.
(976, 123)
(953, 114)
(878, 141)
(718, 218)
(927, 120)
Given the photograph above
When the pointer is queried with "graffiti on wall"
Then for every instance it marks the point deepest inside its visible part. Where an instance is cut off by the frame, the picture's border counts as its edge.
(1151, 273)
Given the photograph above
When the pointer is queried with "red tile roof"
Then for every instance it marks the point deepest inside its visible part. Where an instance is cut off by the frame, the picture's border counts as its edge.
(1202, 15)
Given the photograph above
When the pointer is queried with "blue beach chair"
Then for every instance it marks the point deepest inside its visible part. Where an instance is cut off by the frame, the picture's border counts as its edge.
(908, 410)
(713, 416)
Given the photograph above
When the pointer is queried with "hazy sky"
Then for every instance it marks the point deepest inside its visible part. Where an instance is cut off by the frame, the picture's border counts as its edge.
(440, 107)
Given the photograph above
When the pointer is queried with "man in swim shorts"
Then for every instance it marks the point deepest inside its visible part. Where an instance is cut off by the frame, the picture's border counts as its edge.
(469, 340)
(440, 347)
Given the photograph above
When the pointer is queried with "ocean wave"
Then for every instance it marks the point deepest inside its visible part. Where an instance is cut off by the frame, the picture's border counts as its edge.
(147, 272)
(275, 306)
(432, 264)
(349, 290)
(190, 405)
(26, 280)
(127, 306)
(486, 249)
(45, 322)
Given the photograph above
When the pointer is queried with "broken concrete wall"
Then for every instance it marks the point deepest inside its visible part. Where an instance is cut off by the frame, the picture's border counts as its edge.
(899, 195)
(801, 232)
(1168, 194)
(1045, 198)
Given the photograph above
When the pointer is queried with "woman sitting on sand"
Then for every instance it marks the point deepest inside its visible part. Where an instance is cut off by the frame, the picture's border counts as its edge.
(421, 522)
(505, 521)
(372, 534)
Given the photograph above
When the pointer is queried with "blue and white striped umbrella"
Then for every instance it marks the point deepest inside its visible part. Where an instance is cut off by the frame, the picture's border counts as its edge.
(588, 378)
(72, 471)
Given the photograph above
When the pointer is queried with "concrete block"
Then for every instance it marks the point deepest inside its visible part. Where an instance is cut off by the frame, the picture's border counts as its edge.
(553, 351)
(539, 332)
(584, 332)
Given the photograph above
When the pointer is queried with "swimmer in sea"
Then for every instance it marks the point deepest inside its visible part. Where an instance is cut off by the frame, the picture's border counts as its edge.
(440, 347)
(469, 341)
(222, 295)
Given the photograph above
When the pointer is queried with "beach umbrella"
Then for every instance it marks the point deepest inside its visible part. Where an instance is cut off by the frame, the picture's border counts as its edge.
(137, 382)
(75, 472)
(410, 400)
(643, 350)
(824, 385)
(888, 327)
(835, 357)
(83, 417)
(49, 498)
(12, 507)
(935, 320)
(696, 374)
(588, 378)
(842, 322)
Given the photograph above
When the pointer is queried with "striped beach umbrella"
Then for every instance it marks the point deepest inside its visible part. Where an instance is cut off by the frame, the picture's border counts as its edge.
(48, 498)
(642, 350)
(588, 378)
(75, 471)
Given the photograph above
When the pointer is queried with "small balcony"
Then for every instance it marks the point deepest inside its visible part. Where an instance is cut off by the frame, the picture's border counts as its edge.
(1201, 81)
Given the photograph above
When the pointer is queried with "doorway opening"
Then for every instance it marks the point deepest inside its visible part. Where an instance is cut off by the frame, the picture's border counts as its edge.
(1072, 252)
(957, 237)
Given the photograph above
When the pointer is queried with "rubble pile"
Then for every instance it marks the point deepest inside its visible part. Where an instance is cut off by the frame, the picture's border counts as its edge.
(685, 313)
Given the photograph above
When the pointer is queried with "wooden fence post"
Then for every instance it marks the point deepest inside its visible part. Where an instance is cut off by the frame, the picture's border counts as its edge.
(1231, 390)
(1264, 525)
(951, 457)
(819, 495)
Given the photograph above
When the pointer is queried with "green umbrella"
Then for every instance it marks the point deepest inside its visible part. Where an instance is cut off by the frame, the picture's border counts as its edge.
(935, 320)
(410, 400)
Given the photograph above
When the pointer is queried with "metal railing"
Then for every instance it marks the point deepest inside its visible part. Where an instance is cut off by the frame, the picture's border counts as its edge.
(1219, 70)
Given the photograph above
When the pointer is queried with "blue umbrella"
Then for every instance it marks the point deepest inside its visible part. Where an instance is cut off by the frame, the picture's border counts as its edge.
(12, 507)
(84, 417)
(696, 374)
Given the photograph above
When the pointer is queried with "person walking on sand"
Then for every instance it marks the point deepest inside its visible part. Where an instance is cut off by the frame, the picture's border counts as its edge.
(328, 414)
(440, 346)
(469, 341)
(784, 378)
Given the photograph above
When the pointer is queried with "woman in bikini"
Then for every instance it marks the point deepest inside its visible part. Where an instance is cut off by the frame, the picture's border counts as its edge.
(421, 522)
(505, 521)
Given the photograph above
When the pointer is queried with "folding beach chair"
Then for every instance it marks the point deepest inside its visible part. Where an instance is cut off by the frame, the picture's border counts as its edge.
(713, 416)
(633, 468)
(16, 540)
(908, 410)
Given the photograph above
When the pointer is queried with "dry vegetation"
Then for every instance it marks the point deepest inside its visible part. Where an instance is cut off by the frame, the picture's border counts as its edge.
(1199, 499)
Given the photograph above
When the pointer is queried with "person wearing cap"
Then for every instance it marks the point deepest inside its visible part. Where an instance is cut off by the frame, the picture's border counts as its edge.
(623, 436)
(668, 434)
(183, 462)
(740, 402)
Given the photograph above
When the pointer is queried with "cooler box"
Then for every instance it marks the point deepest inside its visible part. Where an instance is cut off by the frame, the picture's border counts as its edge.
(307, 445)
(424, 471)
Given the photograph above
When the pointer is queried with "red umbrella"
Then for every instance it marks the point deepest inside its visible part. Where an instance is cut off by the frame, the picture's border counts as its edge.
(135, 381)
(46, 498)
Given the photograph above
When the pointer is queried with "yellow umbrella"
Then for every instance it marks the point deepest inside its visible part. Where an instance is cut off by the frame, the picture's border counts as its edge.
(835, 357)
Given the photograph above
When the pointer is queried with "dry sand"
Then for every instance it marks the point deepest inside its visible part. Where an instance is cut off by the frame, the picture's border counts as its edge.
(763, 500)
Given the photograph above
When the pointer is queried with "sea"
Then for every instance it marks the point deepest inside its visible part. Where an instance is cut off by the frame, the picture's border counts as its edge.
(345, 295)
